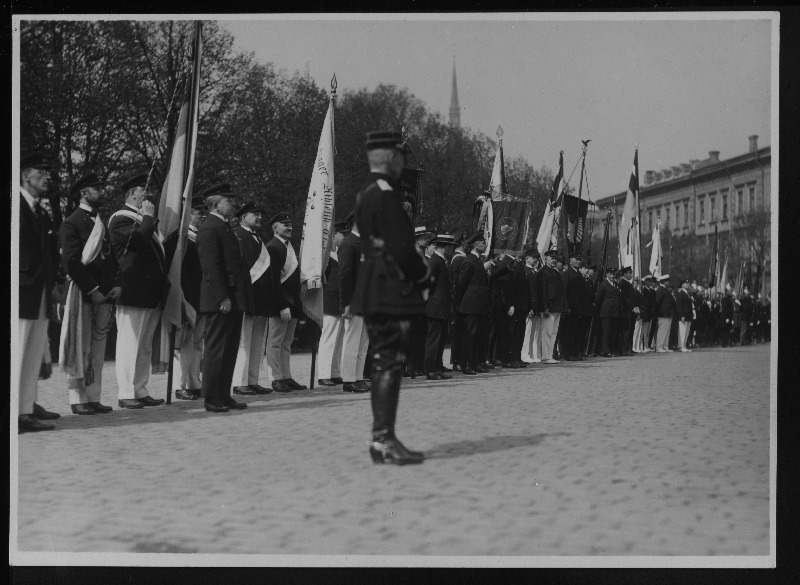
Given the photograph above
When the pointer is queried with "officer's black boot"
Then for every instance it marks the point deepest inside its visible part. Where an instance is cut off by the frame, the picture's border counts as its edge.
(385, 447)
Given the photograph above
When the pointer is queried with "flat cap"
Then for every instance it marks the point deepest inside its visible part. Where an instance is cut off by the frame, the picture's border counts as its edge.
(532, 252)
(649, 277)
(626, 269)
(199, 203)
(221, 189)
(249, 207)
(611, 270)
(684, 281)
(34, 160)
(87, 180)
(576, 254)
(137, 180)
(444, 240)
(478, 235)
(280, 217)
(551, 253)
(342, 226)
(386, 139)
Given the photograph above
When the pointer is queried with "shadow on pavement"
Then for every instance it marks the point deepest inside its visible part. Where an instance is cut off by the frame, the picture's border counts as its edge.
(487, 445)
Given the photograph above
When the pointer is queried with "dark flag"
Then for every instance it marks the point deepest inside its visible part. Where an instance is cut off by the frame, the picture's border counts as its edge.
(576, 210)
(409, 186)
(510, 222)
(713, 267)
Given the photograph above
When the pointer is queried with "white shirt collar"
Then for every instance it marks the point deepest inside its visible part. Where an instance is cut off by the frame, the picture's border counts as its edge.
(132, 207)
(476, 253)
(219, 216)
(355, 233)
(87, 207)
(440, 255)
(244, 227)
(28, 197)
(285, 242)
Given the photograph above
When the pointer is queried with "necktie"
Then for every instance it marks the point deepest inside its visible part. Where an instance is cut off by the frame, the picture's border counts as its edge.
(92, 213)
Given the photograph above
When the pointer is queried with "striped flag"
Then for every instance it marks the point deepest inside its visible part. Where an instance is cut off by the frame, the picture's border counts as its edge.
(656, 254)
(547, 237)
(713, 267)
(498, 185)
(630, 252)
(315, 245)
(723, 279)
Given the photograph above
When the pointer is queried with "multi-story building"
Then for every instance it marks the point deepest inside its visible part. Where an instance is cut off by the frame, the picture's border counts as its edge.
(693, 198)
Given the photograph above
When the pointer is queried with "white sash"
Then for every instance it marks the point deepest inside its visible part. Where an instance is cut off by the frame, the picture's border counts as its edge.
(291, 263)
(192, 233)
(138, 219)
(261, 265)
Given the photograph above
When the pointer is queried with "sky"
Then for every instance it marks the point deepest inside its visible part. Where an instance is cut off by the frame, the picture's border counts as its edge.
(677, 88)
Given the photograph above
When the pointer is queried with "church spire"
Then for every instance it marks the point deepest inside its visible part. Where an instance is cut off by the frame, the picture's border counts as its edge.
(455, 109)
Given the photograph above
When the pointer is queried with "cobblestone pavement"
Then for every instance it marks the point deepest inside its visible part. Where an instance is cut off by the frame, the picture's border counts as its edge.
(646, 455)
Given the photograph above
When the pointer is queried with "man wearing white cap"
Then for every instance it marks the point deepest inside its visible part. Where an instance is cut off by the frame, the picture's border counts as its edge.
(665, 309)
(685, 307)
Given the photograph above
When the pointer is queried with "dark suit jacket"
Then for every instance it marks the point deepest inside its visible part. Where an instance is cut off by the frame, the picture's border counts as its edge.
(102, 271)
(440, 298)
(287, 294)
(684, 305)
(647, 303)
(262, 288)
(628, 298)
(225, 275)
(38, 260)
(608, 300)
(349, 252)
(553, 299)
(576, 289)
(142, 268)
(472, 297)
(330, 290)
(455, 270)
(520, 290)
(191, 271)
(664, 303)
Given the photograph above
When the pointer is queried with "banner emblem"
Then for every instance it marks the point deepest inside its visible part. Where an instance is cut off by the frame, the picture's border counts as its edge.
(506, 228)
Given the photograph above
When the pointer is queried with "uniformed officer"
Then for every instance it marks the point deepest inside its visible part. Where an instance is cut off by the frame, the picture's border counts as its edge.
(664, 304)
(628, 311)
(88, 262)
(139, 253)
(577, 300)
(356, 337)
(415, 365)
(190, 342)
(285, 271)
(389, 288)
(607, 302)
(685, 311)
(530, 273)
(331, 341)
(472, 300)
(641, 332)
(553, 303)
(520, 289)
(437, 309)
(459, 255)
(226, 293)
(38, 265)
(726, 317)
(254, 324)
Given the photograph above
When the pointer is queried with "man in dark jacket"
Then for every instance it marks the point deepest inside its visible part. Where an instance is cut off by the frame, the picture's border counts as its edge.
(472, 300)
(389, 288)
(685, 312)
(331, 340)
(522, 307)
(356, 335)
(553, 304)
(459, 255)
(664, 305)
(726, 318)
(88, 262)
(253, 337)
(190, 342)
(139, 253)
(285, 310)
(225, 295)
(644, 319)
(38, 265)
(607, 302)
(437, 309)
(578, 304)
(628, 311)
(530, 329)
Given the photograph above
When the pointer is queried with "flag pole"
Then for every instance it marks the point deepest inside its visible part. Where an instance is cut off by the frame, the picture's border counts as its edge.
(601, 270)
(638, 259)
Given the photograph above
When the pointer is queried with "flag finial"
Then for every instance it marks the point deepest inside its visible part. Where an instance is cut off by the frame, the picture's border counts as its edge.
(333, 84)
(499, 132)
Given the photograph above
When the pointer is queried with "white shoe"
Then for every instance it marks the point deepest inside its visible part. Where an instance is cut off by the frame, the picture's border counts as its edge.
(536, 361)
(527, 360)
(684, 350)
(662, 351)
(550, 361)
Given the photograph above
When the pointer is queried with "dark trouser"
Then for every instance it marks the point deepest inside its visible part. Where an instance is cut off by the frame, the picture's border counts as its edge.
(221, 344)
(744, 337)
(390, 338)
(610, 333)
(434, 344)
(519, 336)
(580, 327)
(456, 343)
(505, 339)
(475, 327)
(653, 331)
(419, 333)
(493, 351)
(597, 335)
(673, 334)
(565, 334)
(625, 341)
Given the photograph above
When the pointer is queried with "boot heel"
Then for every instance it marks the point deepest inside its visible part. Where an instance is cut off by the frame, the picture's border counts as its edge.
(376, 454)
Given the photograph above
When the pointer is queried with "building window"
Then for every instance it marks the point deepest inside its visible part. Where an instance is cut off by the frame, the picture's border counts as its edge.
(702, 212)
(751, 199)
(686, 213)
(711, 202)
(725, 207)
(740, 201)
(669, 223)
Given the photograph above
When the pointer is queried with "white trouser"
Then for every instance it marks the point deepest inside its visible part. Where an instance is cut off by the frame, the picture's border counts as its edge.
(279, 348)
(645, 334)
(683, 333)
(662, 336)
(549, 332)
(331, 341)
(637, 347)
(192, 354)
(536, 341)
(526, 355)
(251, 350)
(354, 349)
(30, 352)
(94, 353)
(135, 329)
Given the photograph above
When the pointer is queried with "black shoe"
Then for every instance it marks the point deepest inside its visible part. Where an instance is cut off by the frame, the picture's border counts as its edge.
(196, 392)
(259, 389)
(130, 403)
(338, 380)
(480, 370)
(243, 391)
(445, 375)
(367, 386)
(391, 450)
(570, 359)
(281, 386)
(185, 394)
(294, 385)
(100, 408)
(354, 387)
(606, 355)
(233, 405)
(497, 363)
(41, 414)
(26, 423)
(150, 401)
(326, 382)
(216, 406)
(81, 409)
(467, 371)
(434, 376)
(445, 370)
(407, 374)
(511, 366)
(487, 366)
(456, 368)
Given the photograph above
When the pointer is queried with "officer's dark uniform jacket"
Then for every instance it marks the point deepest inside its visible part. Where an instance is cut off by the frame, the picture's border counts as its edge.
(141, 261)
(250, 247)
(684, 305)
(283, 294)
(576, 288)
(387, 280)
(640, 298)
(330, 290)
(520, 290)
(607, 299)
(439, 301)
(628, 299)
(553, 299)
(664, 303)
(225, 275)
(99, 274)
(455, 270)
(350, 251)
(38, 259)
(191, 271)
(472, 297)
(501, 285)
